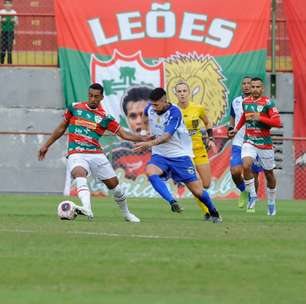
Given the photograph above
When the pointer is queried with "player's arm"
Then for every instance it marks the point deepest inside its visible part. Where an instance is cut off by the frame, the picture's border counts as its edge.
(56, 134)
(231, 126)
(127, 135)
(241, 122)
(173, 123)
(153, 142)
(272, 119)
(208, 125)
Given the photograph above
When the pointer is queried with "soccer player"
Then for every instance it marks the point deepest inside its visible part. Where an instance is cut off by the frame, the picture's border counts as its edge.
(195, 118)
(236, 161)
(259, 116)
(171, 152)
(86, 122)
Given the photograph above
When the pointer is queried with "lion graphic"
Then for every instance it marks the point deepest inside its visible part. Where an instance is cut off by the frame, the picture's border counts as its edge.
(204, 77)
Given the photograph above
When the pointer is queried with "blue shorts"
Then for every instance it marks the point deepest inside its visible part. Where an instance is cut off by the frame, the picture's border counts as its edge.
(237, 161)
(180, 169)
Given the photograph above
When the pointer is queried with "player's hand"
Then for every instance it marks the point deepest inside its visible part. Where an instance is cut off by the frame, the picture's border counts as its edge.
(147, 137)
(252, 116)
(141, 146)
(42, 152)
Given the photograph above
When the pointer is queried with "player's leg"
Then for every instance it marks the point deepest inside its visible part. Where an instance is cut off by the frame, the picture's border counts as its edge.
(102, 169)
(183, 170)
(120, 198)
(79, 169)
(203, 170)
(256, 169)
(236, 169)
(197, 190)
(248, 155)
(268, 164)
(67, 187)
(156, 167)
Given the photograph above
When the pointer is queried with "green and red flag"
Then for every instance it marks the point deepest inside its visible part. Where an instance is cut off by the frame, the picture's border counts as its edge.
(210, 44)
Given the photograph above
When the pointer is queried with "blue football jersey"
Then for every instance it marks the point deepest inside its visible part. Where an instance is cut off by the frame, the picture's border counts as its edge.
(171, 122)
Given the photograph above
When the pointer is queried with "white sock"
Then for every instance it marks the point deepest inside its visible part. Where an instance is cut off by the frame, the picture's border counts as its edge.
(68, 181)
(271, 195)
(83, 192)
(250, 187)
(120, 199)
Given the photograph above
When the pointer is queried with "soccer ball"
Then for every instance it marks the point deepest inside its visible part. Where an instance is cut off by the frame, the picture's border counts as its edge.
(66, 210)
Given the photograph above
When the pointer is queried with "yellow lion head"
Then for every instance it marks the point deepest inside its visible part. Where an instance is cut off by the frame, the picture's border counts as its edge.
(204, 77)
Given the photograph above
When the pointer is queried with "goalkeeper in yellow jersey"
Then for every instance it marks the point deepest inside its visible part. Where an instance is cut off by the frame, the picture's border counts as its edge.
(195, 119)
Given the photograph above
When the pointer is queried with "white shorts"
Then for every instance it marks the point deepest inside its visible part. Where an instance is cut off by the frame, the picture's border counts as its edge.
(96, 164)
(266, 156)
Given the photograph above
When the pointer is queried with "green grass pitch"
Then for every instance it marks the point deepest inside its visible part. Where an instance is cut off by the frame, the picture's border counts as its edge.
(167, 258)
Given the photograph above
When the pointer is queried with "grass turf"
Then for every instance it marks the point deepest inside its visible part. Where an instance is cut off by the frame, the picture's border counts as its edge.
(167, 258)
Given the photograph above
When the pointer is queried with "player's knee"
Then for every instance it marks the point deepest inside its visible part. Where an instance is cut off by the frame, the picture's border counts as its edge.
(150, 171)
(78, 172)
(236, 172)
(247, 167)
(271, 181)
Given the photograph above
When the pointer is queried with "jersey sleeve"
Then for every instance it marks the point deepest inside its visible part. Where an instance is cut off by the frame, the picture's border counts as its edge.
(109, 123)
(232, 112)
(272, 118)
(202, 112)
(67, 114)
(174, 121)
(146, 109)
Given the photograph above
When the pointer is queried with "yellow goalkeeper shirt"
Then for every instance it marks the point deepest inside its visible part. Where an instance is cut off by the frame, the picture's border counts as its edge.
(193, 115)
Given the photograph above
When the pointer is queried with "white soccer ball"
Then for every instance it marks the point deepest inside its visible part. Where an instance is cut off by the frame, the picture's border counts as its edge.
(66, 210)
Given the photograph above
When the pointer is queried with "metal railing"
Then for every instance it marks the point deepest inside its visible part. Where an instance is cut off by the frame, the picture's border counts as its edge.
(34, 42)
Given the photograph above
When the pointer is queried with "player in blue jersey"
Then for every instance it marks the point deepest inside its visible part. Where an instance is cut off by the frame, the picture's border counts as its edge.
(171, 152)
(236, 161)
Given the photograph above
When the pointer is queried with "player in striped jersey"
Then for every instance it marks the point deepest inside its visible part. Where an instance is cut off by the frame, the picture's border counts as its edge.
(260, 115)
(236, 161)
(86, 122)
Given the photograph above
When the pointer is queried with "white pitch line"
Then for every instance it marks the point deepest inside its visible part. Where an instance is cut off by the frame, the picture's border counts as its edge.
(142, 236)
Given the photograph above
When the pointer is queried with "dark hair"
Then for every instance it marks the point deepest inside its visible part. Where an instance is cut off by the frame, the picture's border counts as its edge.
(157, 94)
(135, 94)
(257, 79)
(97, 86)
(245, 77)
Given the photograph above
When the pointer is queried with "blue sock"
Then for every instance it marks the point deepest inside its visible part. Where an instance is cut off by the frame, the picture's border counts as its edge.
(206, 200)
(241, 186)
(161, 187)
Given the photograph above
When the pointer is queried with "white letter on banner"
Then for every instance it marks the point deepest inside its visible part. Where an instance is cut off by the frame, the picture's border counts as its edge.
(188, 26)
(221, 33)
(98, 33)
(126, 26)
(169, 21)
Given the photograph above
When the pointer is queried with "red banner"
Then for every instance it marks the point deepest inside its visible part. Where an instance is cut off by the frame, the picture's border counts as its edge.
(200, 25)
(296, 20)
